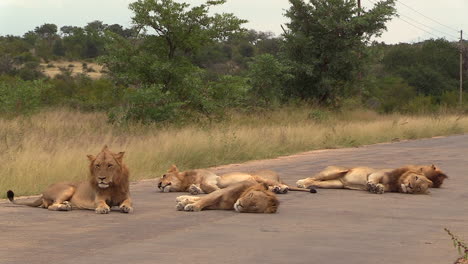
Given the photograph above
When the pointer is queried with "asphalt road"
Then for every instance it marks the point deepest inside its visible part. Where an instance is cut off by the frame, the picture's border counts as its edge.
(332, 226)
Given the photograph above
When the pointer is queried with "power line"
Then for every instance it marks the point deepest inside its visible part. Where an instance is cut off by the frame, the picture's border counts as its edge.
(422, 24)
(419, 28)
(427, 16)
(429, 27)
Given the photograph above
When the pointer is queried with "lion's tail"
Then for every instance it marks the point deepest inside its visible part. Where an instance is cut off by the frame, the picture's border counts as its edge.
(11, 197)
(311, 190)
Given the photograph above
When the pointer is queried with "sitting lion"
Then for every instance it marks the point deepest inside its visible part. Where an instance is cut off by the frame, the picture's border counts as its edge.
(107, 186)
(268, 177)
(244, 197)
(192, 181)
(372, 180)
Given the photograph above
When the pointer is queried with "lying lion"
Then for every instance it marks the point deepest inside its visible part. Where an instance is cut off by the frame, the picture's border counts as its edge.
(431, 172)
(372, 180)
(268, 177)
(244, 197)
(107, 186)
(192, 181)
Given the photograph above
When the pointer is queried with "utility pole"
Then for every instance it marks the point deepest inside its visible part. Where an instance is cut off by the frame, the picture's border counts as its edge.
(461, 68)
(359, 6)
(359, 53)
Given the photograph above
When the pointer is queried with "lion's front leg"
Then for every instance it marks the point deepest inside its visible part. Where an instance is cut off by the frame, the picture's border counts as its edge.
(374, 184)
(126, 206)
(195, 189)
(279, 189)
(101, 206)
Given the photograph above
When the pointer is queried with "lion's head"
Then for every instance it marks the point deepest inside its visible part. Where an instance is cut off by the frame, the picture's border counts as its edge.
(434, 174)
(257, 199)
(171, 181)
(415, 183)
(107, 169)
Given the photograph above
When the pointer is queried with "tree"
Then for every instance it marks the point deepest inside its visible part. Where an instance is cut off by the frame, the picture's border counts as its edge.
(325, 44)
(46, 31)
(267, 76)
(177, 33)
(432, 67)
(181, 29)
(163, 54)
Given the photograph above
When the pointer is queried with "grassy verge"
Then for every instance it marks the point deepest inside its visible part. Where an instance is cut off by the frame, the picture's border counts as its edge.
(52, 145)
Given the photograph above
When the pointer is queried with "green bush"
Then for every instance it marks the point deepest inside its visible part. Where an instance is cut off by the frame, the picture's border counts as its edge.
(267, 76)
(20, 97)
(145, 104)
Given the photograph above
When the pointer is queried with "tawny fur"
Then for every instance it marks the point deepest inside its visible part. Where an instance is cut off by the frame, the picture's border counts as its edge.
(108, 185)
(192, 181)
(244, 197)
(372, 180)
(268, 177)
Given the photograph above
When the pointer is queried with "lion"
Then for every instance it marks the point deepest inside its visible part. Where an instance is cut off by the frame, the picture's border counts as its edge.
(268, 177)
(192, 181)
(107, 186)
(431, 172)
(243, 197)
(369, 179)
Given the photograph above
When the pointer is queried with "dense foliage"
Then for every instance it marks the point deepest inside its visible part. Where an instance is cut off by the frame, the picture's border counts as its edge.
(184, 62)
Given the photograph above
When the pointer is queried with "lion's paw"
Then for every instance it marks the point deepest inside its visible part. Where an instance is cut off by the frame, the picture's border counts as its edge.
(280, 189)
(126, 209)
(194, 190)
(182, 198)
(192, 208)
(180, 206)
(305, 183)
(375, 188)
(102, 210)
(65, 206)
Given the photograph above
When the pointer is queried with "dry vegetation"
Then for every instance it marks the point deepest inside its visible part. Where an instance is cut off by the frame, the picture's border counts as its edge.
(53, 68)
(52, 145)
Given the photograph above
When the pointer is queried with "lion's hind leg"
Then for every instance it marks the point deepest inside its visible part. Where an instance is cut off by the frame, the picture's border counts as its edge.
(330, 173)
(330, 184)
(184, 200)
(60, 196)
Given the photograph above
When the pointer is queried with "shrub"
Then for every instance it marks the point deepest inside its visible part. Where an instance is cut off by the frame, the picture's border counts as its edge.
(267, 76)
(20, 97)
(145, 104)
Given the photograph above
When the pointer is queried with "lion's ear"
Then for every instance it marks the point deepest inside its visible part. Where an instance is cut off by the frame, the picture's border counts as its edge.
(173, 168)
(105, 148)
(91, 157)
(119, 156)
(433, 167)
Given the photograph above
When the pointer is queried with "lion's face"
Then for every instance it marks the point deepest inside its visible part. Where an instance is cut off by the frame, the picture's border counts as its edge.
(257, 199)
(170, 181)
(105, 167)
(415, 183)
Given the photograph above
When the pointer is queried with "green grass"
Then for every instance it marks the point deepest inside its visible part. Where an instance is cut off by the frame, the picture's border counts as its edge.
(52, 145)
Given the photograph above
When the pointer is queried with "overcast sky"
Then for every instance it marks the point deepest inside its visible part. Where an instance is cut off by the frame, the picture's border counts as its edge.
(20, 16)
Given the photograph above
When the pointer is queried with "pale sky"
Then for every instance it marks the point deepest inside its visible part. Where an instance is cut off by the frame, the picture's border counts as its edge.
(20, 16)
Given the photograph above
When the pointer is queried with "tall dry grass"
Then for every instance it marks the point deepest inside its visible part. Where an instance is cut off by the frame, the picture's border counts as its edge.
(52, 145)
